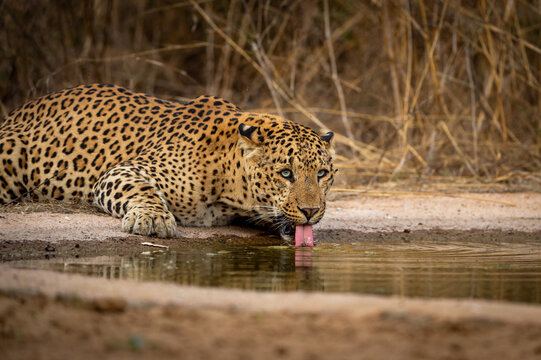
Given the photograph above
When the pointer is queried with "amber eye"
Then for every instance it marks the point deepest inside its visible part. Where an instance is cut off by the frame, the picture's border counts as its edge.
(287, 174)
(321, 173)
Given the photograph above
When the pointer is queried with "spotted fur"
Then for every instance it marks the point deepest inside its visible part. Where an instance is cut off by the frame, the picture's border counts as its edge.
(156, 163)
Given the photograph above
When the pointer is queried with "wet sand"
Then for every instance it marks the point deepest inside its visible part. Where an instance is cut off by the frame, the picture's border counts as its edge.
(51, 315)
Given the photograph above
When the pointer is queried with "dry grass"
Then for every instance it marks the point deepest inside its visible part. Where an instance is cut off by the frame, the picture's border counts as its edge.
(427, 90)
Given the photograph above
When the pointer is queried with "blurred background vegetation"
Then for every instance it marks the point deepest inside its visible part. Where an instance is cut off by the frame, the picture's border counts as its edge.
(444, 91)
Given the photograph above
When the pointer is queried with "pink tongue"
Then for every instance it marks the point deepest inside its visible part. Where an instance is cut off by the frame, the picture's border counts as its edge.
(304, 236)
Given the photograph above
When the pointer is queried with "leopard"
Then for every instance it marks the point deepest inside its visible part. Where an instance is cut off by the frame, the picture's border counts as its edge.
(160, 165)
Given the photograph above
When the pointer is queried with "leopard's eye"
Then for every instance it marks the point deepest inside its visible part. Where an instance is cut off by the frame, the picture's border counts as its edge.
(287, 174)
(322, 173)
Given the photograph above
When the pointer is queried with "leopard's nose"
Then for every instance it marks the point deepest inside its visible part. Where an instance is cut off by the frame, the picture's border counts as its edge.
(309, 212)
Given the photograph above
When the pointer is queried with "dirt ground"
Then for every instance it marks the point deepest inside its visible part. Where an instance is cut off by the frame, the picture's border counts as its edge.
(47, 315)
(37, 327)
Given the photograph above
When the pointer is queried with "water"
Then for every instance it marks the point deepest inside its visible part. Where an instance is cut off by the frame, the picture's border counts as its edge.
(500, 272)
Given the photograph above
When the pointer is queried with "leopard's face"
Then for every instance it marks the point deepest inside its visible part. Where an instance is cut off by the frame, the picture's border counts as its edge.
(290, 170)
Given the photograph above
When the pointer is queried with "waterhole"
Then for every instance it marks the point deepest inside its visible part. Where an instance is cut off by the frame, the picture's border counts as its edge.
(500, 271)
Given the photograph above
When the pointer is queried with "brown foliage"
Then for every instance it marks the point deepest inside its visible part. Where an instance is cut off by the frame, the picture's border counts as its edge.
(412, 88)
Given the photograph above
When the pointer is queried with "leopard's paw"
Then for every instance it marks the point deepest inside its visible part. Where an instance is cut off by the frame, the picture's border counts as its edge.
(148, 222)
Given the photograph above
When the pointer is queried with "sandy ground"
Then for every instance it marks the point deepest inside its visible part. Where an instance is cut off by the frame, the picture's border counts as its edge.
(517, 212)
(51, 315)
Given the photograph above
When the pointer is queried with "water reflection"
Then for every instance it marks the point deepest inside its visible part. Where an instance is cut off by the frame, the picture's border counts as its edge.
(303, 257)
(451, 270)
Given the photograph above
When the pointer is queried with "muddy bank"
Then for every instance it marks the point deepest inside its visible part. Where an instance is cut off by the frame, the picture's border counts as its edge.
(57, 247)
(62, 329)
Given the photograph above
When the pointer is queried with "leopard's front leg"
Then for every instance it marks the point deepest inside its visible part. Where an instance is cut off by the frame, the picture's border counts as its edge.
(128, 190)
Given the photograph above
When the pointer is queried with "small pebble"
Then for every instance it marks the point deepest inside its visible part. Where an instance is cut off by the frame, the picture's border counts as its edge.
(49, 247)
(407, 231)
(136, 342)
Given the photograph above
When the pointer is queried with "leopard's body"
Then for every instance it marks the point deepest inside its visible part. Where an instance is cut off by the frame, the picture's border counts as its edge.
(155, 163)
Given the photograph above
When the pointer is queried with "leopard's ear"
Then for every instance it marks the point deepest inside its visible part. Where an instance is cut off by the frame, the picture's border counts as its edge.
(251, 133)
(328, 138)
(250, 141)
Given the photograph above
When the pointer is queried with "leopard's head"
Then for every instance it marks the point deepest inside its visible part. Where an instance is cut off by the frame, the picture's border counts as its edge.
(289, 172)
